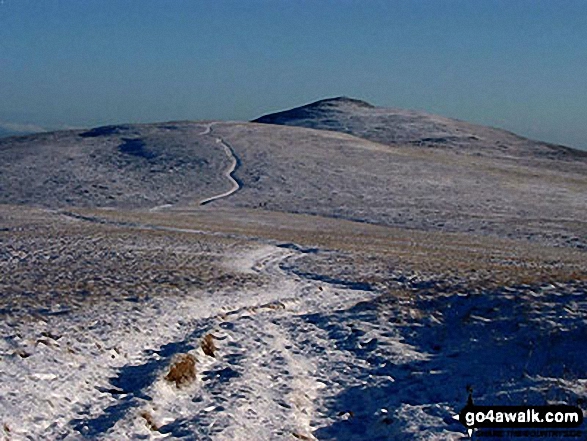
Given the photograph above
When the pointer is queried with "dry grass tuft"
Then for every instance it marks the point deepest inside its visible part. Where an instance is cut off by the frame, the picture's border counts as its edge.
(151, 424)
(183, 371)
(274, 305)
(301, 436)
(208, 346)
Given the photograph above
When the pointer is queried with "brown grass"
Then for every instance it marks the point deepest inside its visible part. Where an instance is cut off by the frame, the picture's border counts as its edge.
(208, 346)
(483, 259)
(78, 263)
(301, 436)
(274, 305)
(182, 371)
(150, 422)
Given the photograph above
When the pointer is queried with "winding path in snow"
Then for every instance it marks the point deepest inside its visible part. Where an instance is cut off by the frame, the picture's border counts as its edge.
(228, 173)
(263, 384)
(303, 356)
(208, 129)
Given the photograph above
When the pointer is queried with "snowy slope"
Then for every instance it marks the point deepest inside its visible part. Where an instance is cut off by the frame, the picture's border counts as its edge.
(301, 357)
(416, 128)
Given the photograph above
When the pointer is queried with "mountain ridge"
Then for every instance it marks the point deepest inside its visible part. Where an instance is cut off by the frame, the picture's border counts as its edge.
(458, 184)
(394, 126)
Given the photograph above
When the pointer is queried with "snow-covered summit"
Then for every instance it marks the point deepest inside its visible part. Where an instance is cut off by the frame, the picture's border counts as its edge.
(393, 126)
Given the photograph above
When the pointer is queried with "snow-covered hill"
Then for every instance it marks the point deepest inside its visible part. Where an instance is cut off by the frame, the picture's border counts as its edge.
(416, 128)
(247, 281)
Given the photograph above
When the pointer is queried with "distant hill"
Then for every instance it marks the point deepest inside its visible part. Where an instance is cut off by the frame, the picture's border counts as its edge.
(19, 129)
(398, 127)
(416, 171)
(119, 166)
(10, 130)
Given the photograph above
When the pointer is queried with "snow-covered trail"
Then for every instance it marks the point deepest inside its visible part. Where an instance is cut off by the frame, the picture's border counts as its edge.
(228, 173)
(208, 129)
(261, 385)
(285, 351)
(94, 374)
(300, 357)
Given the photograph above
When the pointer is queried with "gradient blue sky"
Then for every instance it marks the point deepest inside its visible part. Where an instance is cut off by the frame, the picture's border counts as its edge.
(516, 64)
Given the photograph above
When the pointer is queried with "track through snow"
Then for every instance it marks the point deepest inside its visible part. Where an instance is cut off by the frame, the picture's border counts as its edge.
(300, 357)
(106, 368)
(235, 186)
(261, 385)
(228, 173)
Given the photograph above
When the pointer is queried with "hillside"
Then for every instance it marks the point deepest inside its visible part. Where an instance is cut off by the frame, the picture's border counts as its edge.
(122, 166)
(7, 130)
(247, 281)
(420, 129)
(297, 170)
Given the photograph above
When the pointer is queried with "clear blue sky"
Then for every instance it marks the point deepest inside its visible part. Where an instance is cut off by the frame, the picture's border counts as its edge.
(516, 64)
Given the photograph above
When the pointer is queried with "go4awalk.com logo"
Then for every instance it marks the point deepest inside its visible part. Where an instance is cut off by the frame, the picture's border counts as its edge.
(517, 417)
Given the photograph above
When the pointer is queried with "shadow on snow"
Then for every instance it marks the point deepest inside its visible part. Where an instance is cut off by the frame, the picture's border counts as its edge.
(509, 347)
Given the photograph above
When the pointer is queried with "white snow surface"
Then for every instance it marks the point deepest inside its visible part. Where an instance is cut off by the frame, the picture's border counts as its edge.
(288, 355)
(62, 388)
